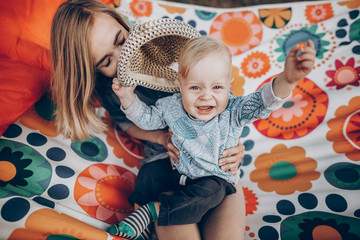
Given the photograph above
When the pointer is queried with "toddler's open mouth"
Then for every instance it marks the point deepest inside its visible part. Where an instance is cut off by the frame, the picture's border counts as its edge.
(205, 109)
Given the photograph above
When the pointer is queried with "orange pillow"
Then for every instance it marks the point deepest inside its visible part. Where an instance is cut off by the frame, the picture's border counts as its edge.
(25, 30)
(21, 85)
(24, 55)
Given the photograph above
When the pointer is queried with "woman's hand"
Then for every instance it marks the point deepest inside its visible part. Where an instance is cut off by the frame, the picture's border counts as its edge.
(234, 160)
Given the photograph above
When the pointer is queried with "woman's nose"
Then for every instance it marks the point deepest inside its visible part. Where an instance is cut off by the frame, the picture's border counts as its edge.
(117, 52)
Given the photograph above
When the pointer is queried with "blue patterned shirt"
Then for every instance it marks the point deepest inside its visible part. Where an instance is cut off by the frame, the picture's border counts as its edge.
(201, 143)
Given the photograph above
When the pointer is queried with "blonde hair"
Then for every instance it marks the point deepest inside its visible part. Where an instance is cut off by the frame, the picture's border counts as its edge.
(198, 48)
(73, 68)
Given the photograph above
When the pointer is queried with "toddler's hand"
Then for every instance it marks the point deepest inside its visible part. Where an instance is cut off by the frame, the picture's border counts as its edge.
(297, 66)
(125, 94)
(121, 91)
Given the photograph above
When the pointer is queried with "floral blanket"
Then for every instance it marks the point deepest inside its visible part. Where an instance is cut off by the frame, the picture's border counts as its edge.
(300, 173)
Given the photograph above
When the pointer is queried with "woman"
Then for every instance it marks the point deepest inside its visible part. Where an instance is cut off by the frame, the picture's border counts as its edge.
(86, 39)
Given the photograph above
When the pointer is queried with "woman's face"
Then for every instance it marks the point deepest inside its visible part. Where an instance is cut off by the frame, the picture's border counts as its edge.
(107, 37)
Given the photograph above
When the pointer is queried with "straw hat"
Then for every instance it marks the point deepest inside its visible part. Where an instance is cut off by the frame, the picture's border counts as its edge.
(149, 55)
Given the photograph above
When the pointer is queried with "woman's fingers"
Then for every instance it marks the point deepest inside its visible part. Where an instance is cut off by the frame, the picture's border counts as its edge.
(227, 161)
(173, 152)
(231, 163)
(233, 171)
(238, 150)
(230, 168)
(172, 164)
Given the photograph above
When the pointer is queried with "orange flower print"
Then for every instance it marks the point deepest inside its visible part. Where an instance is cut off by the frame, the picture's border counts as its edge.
(102, 190)
(255, 64)
(40, 117)
(141, 8)
(125, 147)
(284, 170)
(47, 224)
(172, 9)
(240, 31)
(345, 130)
(318, 13)
(302, 112)
(350, 4)
(111, 3)
(297, 109)
(275, 17)
(250, 201)
(237, 85)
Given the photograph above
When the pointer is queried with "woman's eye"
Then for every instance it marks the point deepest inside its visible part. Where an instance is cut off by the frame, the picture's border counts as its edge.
(107, 62)
(121, 42)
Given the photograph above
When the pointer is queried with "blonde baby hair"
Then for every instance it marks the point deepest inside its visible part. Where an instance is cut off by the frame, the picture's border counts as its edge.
(198, 48)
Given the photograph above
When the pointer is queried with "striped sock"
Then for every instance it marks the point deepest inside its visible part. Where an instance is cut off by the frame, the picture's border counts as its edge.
(145, 235)
(135, 224)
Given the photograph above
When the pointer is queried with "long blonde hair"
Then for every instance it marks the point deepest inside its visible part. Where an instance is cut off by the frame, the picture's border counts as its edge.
(74, 73)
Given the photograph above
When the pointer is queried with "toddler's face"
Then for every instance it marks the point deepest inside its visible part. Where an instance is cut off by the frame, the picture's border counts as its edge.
(205, 91)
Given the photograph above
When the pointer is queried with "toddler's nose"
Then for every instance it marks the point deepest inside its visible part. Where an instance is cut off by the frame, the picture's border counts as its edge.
(206, 94)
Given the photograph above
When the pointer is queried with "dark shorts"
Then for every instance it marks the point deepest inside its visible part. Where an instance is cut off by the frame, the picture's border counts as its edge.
(185, 204)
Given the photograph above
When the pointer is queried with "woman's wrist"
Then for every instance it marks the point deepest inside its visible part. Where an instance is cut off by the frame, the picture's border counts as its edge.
(161, 137)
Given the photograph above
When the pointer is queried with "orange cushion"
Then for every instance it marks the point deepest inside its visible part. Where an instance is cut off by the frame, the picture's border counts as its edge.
(21, 85)
(25, 30)
(24, 55)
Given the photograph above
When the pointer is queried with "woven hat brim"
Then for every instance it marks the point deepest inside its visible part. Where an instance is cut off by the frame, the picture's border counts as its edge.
(151, 50)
